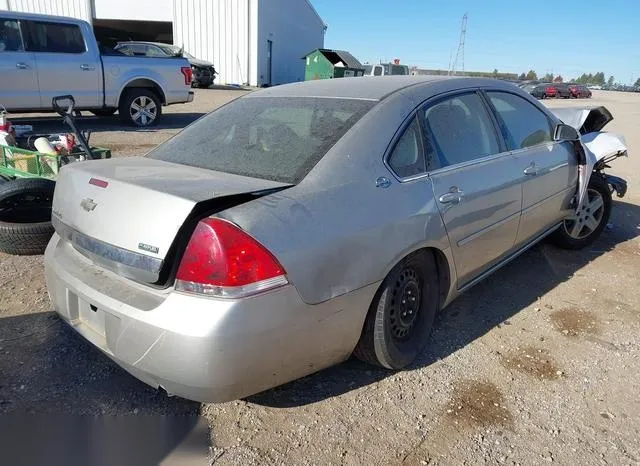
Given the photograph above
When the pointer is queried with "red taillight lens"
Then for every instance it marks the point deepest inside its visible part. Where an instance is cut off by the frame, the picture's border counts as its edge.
(222, 260)
(187, 72)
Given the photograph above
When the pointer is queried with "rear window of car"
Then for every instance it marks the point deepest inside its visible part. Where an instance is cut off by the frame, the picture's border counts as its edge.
(273, 138)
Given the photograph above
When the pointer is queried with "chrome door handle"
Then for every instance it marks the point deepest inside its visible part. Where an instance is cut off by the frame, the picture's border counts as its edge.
(87, 68)
(454, 196)
(531, 170)
(22, 66)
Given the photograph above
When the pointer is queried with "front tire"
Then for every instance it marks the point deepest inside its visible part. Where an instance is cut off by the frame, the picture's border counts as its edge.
(140, 107)
(401, 315)
(584, 227)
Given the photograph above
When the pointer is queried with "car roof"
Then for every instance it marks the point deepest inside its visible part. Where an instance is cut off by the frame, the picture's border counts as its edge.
(144, 42)
(369, 87)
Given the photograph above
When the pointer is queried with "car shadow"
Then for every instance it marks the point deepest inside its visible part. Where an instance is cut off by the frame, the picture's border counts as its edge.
(54, 124)
(489, 304)
(45, 367)
(53, 381)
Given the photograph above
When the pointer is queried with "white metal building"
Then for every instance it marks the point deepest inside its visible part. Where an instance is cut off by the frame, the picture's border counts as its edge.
(256, 42)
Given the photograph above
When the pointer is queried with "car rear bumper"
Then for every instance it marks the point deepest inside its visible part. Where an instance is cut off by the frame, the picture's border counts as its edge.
(204, 349)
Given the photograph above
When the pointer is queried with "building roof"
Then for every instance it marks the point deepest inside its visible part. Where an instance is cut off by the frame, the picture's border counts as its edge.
(336, 56)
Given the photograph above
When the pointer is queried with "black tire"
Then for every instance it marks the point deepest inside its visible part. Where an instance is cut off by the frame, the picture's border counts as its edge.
(25, 216)
(104, 112)
(139, 95)
(563, 237)
(392, 335)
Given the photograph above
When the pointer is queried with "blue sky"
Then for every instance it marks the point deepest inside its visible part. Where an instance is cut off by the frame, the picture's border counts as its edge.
(563, 37)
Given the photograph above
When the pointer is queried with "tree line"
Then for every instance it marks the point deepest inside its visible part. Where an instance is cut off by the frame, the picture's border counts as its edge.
(597, 78)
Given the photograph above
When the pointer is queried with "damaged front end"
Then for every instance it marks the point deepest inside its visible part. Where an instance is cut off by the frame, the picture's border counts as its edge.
(595, 149)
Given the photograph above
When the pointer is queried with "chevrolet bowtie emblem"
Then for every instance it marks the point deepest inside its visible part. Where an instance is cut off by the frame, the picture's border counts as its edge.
(88, 204)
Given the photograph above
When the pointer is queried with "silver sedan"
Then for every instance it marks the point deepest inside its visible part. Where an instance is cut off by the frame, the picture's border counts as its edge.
(300, 224)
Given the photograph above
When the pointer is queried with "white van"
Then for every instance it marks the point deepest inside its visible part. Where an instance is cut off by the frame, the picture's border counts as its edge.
(385, 69)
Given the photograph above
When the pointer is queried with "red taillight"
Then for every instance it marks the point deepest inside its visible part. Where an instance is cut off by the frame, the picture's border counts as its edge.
(222, 260)
(187, 72)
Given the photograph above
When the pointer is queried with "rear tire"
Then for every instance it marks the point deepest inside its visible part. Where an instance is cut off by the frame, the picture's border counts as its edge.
(400, 318)
(580, 231)
(25, 215)
(140, 106)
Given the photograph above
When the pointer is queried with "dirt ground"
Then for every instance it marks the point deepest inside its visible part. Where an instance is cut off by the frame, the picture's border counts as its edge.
(539, 363)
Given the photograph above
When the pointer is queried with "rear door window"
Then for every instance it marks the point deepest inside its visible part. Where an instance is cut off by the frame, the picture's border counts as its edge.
(10, 37)
(522, 124)
(54, 38)
(458, 129)
(407, 157)
(274, 138)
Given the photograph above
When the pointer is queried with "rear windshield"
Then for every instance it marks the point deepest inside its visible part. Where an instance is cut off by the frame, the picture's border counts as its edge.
(273, 138)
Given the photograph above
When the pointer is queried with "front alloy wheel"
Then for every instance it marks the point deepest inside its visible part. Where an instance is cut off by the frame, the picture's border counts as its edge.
(583, 228)
(586, 221)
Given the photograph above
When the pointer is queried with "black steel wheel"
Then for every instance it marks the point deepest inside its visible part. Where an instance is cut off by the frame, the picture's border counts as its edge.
(401, 315)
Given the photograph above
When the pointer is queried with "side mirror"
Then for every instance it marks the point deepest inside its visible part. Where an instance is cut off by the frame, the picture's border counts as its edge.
(565, 133)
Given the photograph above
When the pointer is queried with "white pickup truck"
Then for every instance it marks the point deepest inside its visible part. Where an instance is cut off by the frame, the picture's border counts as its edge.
(46, 56)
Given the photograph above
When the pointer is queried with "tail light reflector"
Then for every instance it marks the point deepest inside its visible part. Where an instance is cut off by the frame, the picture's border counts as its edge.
(222, 260)
(187, 72)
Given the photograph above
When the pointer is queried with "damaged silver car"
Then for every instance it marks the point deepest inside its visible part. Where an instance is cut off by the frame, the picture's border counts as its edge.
(301, 224)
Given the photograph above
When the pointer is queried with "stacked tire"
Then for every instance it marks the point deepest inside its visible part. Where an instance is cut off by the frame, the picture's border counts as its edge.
(25, 215)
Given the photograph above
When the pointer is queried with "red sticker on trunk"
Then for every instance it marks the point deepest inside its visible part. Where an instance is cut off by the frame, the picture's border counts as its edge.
(98, 183)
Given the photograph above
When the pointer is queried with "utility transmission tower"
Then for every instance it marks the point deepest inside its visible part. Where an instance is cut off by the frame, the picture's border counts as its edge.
(460, 52)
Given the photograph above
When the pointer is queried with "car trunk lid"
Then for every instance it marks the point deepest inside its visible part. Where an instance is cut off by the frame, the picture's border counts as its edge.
(126, 215)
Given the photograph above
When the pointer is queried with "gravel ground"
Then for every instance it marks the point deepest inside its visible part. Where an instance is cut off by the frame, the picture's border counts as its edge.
(539, 363)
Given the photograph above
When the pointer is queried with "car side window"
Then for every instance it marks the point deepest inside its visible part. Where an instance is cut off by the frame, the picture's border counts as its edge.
(10, 38)
(407, 157)
(458, 129)
(54, 38)
(153, 51)
(522, 124)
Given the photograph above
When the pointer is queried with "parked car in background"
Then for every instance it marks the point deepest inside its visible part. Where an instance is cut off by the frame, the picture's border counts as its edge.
(46, 56)
(204, 72)
(579, 91)
(270, 257)
(544, 91)
(563, 91)
(386, 69)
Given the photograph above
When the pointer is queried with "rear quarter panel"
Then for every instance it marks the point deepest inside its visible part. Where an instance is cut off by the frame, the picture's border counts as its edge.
(336, 231)
(121, 71)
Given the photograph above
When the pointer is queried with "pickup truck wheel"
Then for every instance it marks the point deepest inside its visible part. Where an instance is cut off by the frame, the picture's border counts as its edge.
(104, 112)
(584, 227)
(25, 216)
(401, 315)
(140, 107)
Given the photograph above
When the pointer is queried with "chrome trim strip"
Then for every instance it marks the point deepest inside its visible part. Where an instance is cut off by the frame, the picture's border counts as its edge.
(230, 292)
(485, 230)
(507, 259)
(129, 264)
